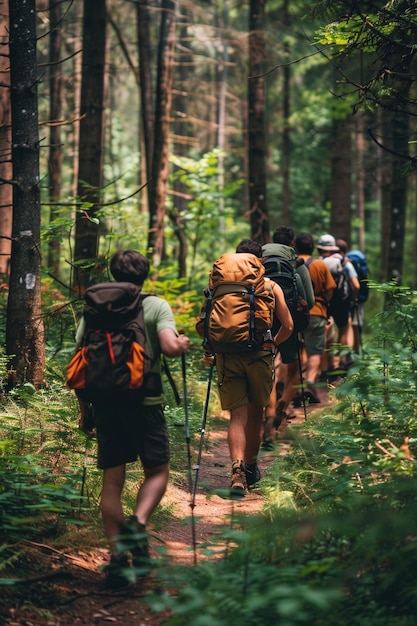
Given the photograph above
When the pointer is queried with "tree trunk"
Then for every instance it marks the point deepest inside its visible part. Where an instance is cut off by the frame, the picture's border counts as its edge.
(55, 115)
(286, 144)
(91, 149)
(360, 181)
(341, 173)
(160, 165)
(6, 192)
(180, 128)
(386, 186)
(25, 330)
(256, 125)
(398, 197)
(146, 91)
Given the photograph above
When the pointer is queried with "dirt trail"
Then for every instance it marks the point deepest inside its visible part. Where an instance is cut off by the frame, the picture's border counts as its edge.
(73, 592)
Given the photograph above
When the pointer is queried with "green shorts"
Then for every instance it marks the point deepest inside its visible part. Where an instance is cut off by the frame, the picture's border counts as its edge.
(128, 430)
(314, 335)
(243, 378)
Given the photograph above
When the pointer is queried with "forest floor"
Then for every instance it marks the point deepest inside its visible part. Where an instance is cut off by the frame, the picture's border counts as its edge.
(67, 587)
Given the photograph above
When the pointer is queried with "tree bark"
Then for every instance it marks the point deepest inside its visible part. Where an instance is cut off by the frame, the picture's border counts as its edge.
(360, 181)
(6, 193)
(286, 143)
(256, 124)
(25, 330)
(158, 184)
(91, 148)
(55, 115)
(145, 80)
(398, 198)
(341, 174)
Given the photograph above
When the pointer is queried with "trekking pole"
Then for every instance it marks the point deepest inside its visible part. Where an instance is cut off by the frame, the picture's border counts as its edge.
(300, 370)
(188, 442)
(84, 474)
(187, 423)
(200, 450)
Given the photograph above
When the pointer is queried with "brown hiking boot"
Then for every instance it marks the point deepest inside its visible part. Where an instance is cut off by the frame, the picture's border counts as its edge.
(134, 538)
(238, 482)
(280, 414)
(268, 434)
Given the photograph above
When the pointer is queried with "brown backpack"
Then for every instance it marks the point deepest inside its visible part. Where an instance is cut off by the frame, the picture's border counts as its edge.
(238, 309)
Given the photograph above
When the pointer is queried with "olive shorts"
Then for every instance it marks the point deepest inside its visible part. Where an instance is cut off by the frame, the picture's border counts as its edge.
(128, 430)
(243, 378)
(314, 335)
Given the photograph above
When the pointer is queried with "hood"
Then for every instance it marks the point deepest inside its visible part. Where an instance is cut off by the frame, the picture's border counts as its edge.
(278, 249)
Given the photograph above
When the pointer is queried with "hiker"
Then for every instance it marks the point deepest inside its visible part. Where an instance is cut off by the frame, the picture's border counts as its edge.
(244, 380)
(354, 285)
(128, 428)
(314, 335)
(347, 286)
(287, 361)
(360, 263)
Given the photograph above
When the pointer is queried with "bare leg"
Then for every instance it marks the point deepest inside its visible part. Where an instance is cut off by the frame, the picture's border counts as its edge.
(244, 433)
(313, 368)
(151, 492)
(293, 379)
(111, 505)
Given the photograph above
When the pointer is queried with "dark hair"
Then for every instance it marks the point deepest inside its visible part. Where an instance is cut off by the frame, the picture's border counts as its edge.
(129, 266)
(304, 243)
(342, 245)
(248, 245)
(284, 235)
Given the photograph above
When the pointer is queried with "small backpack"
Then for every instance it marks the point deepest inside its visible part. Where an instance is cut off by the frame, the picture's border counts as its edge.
(113, 355)
(342, 294)
(238, 309)
(283, 272)
(359, 262)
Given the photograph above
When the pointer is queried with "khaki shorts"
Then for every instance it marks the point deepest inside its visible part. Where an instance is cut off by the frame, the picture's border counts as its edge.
(243, 378)
(358, 315)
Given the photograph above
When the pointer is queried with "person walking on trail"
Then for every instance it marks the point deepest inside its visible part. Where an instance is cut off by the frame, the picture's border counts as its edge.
(128, 428)
(314, 335)
(287, 364)
(347, 283)
(354, 286)
(244, 381)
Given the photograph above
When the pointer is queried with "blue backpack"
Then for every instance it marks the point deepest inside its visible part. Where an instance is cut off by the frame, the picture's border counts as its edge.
(358, 260)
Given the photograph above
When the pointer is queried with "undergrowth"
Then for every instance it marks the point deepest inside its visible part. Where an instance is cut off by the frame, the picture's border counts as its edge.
(336, 542)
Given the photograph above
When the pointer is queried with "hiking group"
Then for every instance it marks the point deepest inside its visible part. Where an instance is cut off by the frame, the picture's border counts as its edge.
(265, 328)
(270, 317)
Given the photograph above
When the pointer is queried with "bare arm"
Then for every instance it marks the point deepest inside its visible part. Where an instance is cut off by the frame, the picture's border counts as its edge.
(355, 285)
(171, 343)
(283, 314)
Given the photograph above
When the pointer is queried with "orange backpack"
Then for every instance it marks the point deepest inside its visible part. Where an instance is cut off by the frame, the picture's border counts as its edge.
(238, 309)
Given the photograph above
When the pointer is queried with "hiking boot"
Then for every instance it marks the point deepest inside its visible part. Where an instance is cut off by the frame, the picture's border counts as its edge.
(297, 401)
(118, 572)
(310, 394)
(252, 474)
(268, 437)
(134, 538)
(238, 482)
(280, 414)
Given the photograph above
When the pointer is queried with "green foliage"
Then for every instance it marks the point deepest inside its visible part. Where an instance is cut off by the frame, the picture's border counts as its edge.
(336, 542)
(210, 218)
